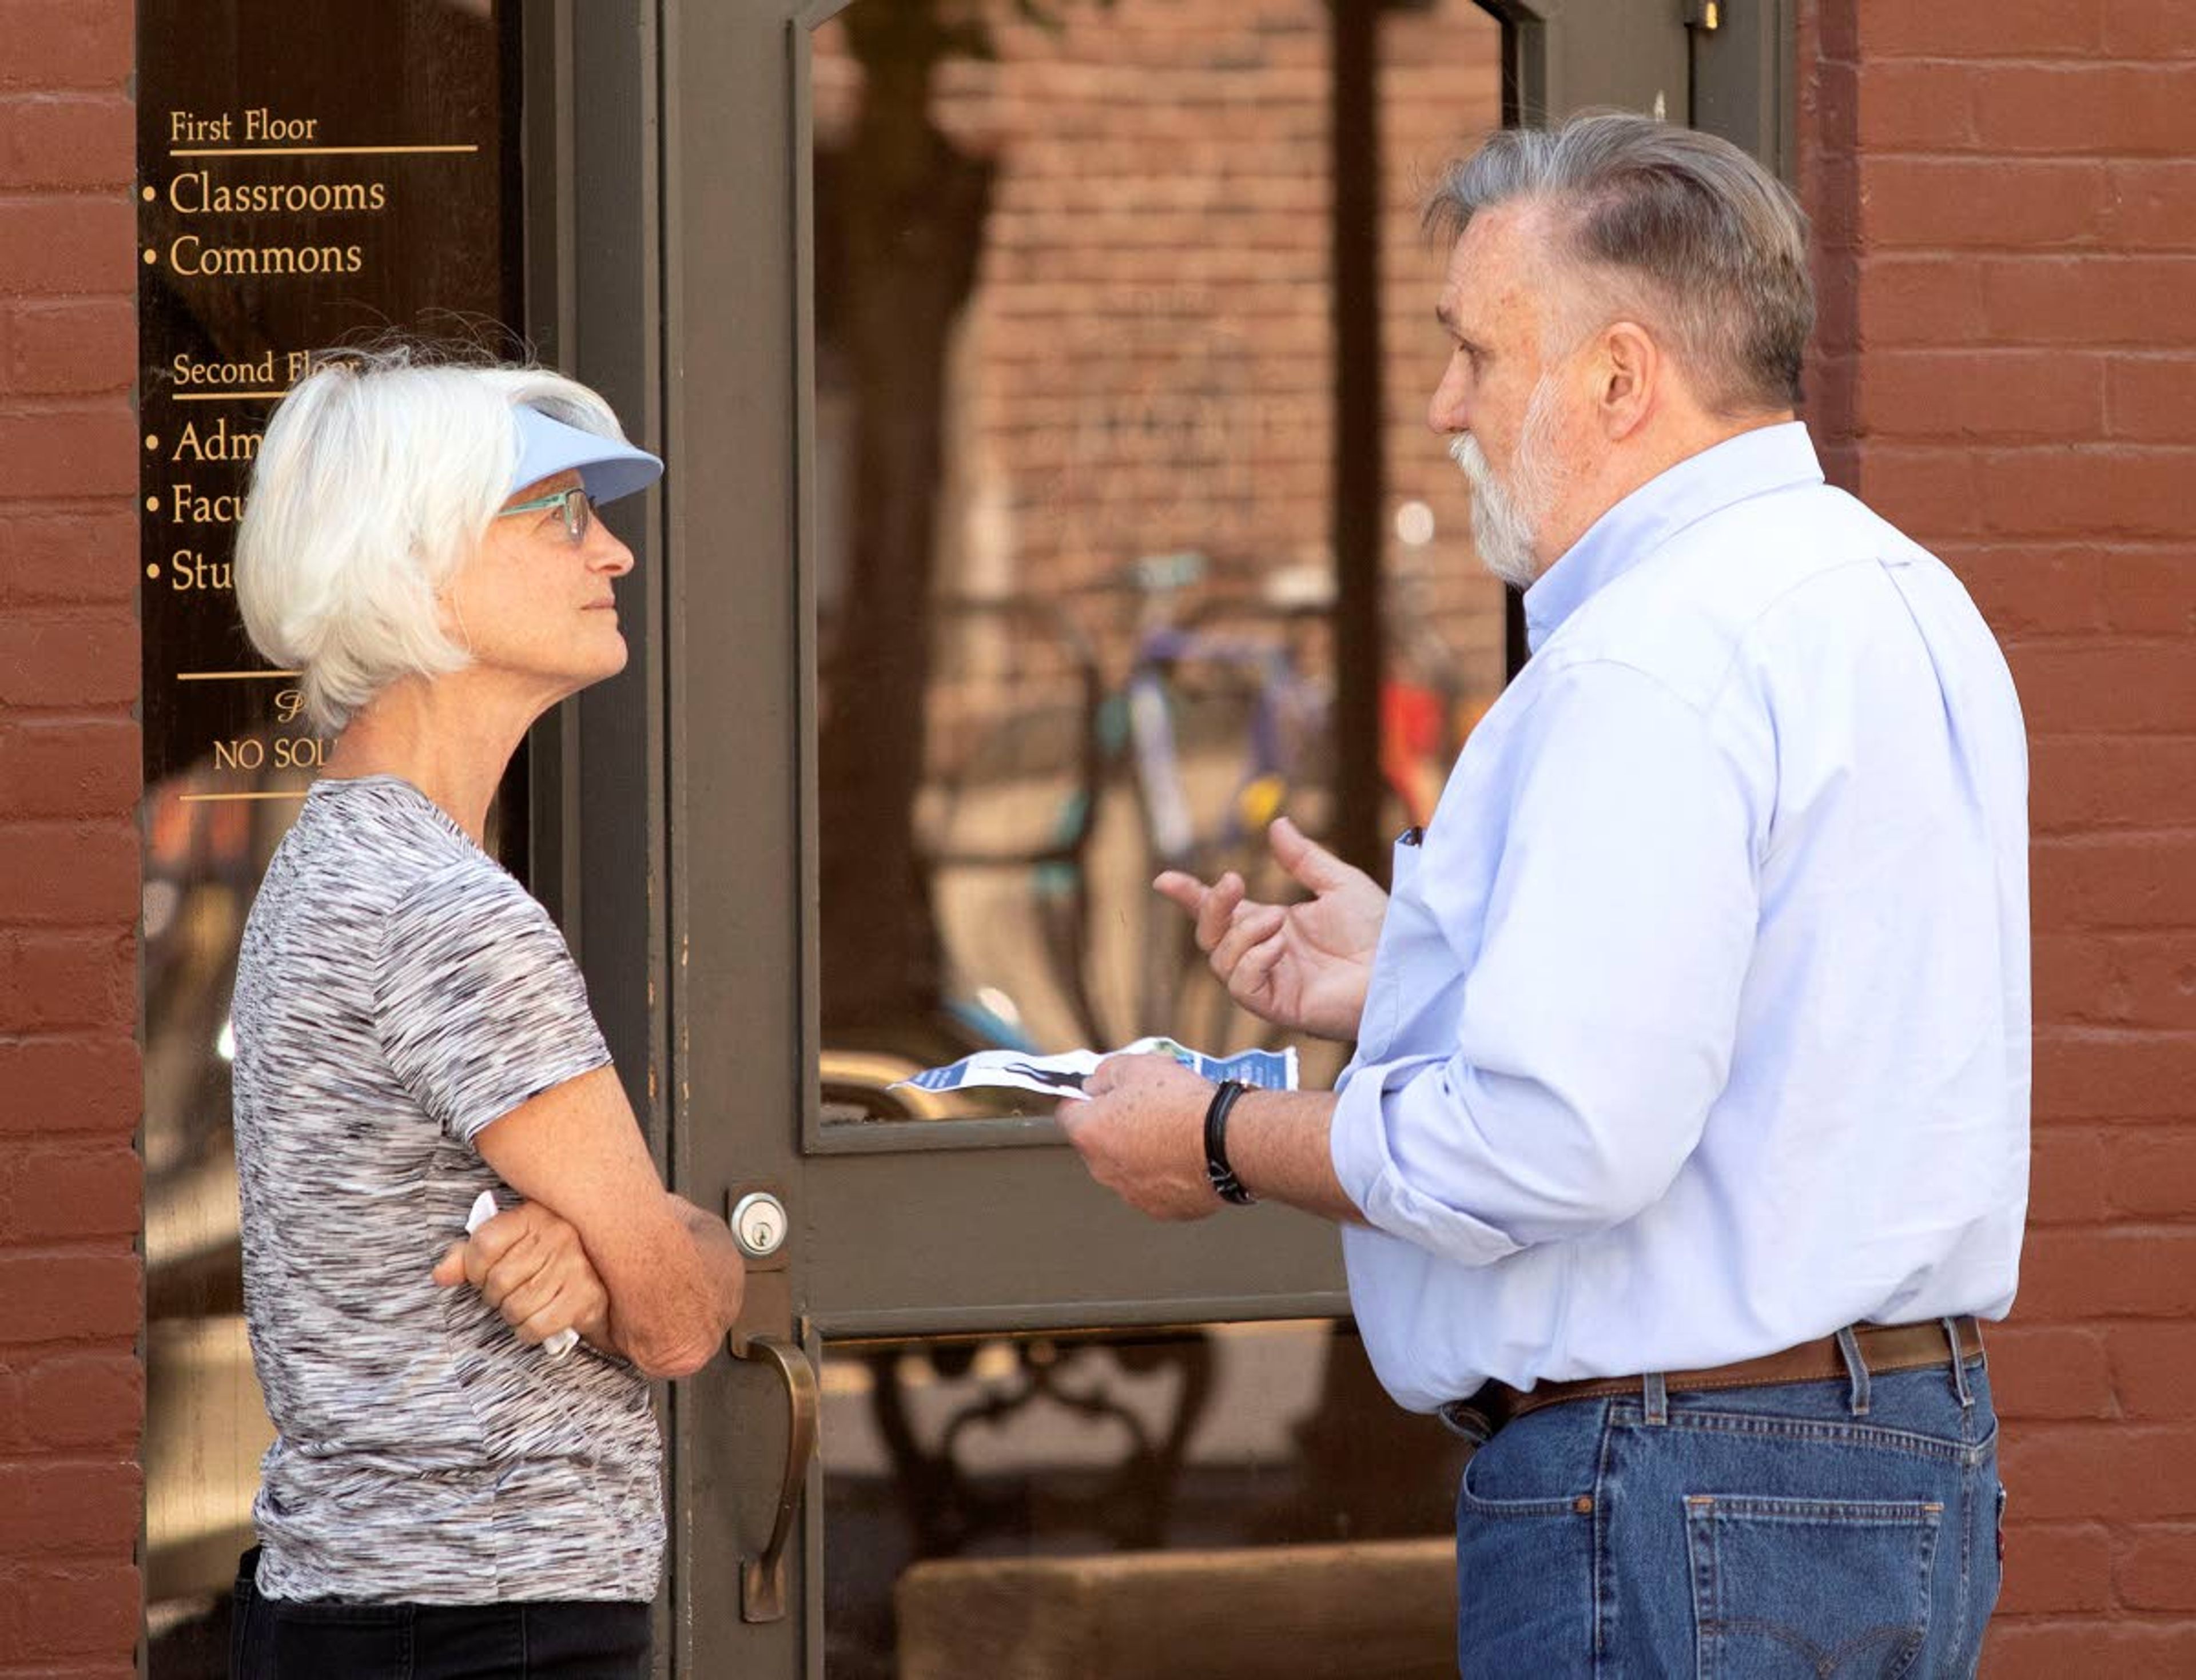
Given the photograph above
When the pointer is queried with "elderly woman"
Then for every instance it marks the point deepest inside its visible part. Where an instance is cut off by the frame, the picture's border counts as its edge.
(454, 1488)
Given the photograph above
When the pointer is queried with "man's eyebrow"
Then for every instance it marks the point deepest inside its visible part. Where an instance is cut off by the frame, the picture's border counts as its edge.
(1449, 324)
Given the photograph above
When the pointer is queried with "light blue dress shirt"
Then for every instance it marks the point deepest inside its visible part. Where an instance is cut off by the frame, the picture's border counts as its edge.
(1700, 1023)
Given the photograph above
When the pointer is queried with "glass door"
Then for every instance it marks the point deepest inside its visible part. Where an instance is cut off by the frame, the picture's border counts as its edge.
(1027, 499)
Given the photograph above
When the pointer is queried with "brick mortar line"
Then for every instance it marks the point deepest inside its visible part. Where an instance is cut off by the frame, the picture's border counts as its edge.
(2158, 546)
(2181, 832)
(2069, 641)
(118, 1346)
(79, 1248)
(51, 717)
(1879, 250)
(47, 405)
(2096, 61)
(2087, 640)
(59, 1035)
(1966, 153)
(2056, 251)
(101, 927)
(2053, 353)
(2084, 448)
(2070, 347)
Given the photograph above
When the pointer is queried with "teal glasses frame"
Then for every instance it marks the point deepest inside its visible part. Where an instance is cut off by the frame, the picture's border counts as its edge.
(574, 504)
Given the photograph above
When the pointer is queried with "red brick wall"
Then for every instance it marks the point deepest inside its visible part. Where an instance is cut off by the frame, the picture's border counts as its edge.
(72, 1389)
(2010, 330)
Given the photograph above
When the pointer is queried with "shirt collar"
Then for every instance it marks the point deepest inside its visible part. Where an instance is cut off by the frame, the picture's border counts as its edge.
(1752, 464)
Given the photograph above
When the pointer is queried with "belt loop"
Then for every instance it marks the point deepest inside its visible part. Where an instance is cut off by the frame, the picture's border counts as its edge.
(1656, 1393)
(1959, 1365)
(1856, 1370)
(1466, 1420)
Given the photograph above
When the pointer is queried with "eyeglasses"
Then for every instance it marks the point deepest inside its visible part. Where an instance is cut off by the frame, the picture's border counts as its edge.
(579, 512)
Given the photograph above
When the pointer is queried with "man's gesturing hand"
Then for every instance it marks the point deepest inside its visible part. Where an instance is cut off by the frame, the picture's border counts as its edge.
(1300, 965)
(1142, 1132)
(529, 1264)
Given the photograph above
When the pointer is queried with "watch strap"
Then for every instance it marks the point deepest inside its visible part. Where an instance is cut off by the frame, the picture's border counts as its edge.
(1225, 1184)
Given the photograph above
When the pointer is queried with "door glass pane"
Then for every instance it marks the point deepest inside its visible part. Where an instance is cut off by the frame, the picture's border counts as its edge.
(1073, 497)
(1099, 1506)
(1441, 90)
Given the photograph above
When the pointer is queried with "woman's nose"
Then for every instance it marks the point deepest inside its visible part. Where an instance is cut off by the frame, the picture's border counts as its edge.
(609, 554)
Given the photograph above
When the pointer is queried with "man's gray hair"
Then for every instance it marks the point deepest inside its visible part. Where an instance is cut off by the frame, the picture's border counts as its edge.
(1674, 227)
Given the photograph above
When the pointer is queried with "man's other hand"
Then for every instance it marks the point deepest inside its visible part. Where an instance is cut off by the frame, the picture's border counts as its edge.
(1303, 965)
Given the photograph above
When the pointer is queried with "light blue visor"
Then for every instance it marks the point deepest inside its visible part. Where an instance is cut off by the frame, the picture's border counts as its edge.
(607, 467)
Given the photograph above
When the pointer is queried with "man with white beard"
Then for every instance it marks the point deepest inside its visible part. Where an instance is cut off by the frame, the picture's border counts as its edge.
(1686, 1137)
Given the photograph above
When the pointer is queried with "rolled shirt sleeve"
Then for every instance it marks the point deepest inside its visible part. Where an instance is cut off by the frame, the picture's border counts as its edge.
(1596, 1021)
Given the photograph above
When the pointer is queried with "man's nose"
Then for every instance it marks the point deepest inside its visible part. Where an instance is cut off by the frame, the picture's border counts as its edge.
(1448, 412)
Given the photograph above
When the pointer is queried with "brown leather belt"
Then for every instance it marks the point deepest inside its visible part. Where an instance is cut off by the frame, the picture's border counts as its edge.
(1882, 1347)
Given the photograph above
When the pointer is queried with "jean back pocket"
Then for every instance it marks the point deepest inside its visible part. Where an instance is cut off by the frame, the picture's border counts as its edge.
(1814, 1589)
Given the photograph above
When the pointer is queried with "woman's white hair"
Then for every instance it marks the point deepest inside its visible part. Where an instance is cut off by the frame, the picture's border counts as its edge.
(378, 474)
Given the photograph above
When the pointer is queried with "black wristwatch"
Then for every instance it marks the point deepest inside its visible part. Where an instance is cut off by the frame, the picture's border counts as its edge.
(1225, 1184)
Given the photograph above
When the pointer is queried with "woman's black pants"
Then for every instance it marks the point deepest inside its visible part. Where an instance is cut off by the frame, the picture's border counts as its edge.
(566, 1639)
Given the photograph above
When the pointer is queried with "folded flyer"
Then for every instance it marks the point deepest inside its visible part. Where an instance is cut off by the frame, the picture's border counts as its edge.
(1062, 1075)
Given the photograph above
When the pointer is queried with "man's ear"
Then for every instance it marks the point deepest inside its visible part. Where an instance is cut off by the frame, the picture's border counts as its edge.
(1628, 379)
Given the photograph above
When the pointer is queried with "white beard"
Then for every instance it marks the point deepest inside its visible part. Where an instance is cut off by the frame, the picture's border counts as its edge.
(1506, 518)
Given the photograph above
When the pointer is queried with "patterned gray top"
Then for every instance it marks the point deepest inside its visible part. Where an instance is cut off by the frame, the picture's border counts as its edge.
(396, 991)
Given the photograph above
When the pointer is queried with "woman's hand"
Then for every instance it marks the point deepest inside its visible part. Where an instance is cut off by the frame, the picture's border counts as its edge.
(530, 1265)
(1306, 965)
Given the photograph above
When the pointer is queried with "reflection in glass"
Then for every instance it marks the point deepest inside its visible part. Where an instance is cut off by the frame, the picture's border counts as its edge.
(205, 1425)
(1075, 387)
(1099, 1495)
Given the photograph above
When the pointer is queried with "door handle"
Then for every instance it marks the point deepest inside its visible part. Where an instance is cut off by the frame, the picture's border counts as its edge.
(762, 1579)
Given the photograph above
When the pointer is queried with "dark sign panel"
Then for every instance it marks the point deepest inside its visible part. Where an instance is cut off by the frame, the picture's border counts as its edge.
(312, 173)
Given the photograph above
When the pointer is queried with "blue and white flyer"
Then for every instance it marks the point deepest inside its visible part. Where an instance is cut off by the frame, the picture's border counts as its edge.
(1062, 1075)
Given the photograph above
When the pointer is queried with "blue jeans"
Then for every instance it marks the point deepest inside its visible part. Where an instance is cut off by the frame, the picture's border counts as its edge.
(1823, 1531)
(322, 1639)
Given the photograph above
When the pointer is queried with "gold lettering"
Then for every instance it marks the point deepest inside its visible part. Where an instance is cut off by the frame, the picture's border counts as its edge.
(196, 193)
(187, 506)
(188, 125)
(188, 569)
(218, 442)
(191, 255)
(261, 123)
(298, 751)
(242, 754)
(259, 375)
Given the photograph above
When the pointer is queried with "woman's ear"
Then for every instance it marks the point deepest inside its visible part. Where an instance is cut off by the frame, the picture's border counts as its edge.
(451, 621)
